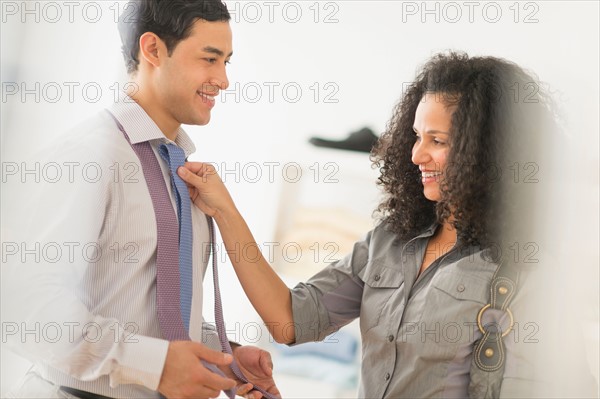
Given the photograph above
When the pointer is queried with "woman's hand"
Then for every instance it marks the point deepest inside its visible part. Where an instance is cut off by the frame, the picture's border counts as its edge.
(206, 188)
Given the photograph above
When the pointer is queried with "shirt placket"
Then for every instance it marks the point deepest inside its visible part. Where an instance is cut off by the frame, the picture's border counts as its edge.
(411, 257)
(409, 254)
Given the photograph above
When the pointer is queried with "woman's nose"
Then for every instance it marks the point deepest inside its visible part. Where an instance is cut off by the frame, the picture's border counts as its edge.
(419, 153)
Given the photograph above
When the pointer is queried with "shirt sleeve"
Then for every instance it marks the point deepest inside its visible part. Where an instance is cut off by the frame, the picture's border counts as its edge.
(52, 239)
(332, 298)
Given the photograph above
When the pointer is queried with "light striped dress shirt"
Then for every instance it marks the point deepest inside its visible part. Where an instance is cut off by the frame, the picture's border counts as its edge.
(82, 293)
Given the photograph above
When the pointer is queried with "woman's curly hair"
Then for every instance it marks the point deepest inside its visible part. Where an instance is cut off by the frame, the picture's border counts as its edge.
(499, 112)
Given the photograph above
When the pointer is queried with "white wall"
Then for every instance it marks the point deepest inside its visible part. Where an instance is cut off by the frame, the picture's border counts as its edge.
(361, 58)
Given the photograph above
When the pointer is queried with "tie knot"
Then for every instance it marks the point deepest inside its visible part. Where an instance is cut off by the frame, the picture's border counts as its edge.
(172, 154)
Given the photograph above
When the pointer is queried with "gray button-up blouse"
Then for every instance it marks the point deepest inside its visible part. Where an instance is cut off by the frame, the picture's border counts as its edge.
(417, 333)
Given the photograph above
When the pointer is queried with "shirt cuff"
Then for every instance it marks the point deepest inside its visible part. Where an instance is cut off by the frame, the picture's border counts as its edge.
(310, 320)
(141, 362)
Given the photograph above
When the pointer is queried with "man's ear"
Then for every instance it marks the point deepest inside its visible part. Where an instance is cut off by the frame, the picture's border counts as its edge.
(152, 48)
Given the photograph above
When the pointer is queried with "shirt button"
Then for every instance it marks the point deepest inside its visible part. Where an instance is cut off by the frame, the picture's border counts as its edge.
(377, 277)
(387, 376)
(391, 338)
(460, 288)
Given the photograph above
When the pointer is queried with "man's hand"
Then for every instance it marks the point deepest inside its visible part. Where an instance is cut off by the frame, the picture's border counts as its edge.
(257, 366)
(184, 376)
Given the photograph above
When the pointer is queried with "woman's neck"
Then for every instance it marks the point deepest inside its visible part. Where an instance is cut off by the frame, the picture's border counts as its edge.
(446, 232)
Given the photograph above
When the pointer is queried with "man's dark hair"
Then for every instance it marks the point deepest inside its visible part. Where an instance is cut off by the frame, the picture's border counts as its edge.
(171, 20)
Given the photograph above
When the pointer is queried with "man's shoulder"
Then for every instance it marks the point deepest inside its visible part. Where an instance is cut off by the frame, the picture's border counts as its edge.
(97, 132)
(95, 138)
(99, 126)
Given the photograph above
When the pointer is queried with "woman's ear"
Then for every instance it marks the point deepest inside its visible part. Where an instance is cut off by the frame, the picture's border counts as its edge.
(152, 48)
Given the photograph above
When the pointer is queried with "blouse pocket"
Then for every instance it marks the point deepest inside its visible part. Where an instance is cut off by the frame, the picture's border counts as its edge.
(383, 283)
(463, 287)
(452, 306)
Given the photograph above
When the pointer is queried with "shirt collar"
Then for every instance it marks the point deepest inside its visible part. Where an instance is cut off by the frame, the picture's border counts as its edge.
(140, 127)
(429, 231)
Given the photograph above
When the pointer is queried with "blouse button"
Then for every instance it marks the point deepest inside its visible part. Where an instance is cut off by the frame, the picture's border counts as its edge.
(390, 338)
(377, 277)
(460, 288)
(387, 376)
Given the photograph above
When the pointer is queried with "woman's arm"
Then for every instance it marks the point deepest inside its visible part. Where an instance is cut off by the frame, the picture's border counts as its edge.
(268, 294)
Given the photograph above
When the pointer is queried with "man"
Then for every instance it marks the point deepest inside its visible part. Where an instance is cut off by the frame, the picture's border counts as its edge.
(103, 301)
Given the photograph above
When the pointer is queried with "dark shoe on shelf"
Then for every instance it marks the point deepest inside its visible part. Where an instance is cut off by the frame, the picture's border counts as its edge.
(362, 140)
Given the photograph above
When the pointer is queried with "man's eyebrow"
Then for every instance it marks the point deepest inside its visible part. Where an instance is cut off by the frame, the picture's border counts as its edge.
(214, 50)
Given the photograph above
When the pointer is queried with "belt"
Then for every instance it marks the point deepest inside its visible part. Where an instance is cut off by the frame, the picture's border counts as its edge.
(82, 394)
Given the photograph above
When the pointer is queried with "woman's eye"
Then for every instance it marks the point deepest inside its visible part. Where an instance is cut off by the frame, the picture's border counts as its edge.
(439, 142)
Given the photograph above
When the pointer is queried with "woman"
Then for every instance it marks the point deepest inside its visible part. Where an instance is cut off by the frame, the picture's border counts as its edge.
(419, 279)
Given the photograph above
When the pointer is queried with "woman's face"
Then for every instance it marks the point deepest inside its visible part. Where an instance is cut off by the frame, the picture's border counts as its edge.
(433, 121)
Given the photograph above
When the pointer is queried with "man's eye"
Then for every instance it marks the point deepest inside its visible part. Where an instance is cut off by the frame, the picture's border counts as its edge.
(211, 60)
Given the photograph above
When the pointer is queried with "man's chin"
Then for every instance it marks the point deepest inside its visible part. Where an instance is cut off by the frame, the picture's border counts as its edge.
(197, 121)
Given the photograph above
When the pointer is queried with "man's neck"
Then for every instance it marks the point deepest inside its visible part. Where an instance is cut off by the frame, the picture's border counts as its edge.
(147, 101)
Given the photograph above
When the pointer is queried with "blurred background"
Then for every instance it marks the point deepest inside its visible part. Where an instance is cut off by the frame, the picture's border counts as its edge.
(317, 68)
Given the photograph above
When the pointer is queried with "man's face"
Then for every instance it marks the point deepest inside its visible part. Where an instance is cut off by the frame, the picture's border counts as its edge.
(188, 80)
